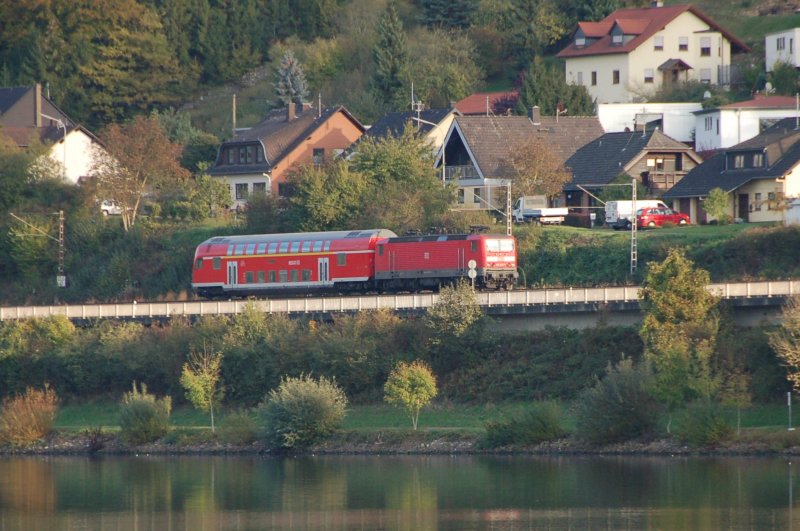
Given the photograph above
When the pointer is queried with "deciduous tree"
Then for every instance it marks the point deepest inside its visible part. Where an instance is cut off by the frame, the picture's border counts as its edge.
(785, 341)
(201, 380)
(679, 329)
(410, 386)
(535, 170)
(138, 158)
(718, 205)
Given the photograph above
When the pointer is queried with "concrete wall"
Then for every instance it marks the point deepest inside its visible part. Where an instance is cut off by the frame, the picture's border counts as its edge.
(678, 120)
(735, 126)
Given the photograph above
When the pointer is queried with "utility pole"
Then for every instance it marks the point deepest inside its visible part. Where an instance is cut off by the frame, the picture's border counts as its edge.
(634, 227)
(508, 209)
(61, 279)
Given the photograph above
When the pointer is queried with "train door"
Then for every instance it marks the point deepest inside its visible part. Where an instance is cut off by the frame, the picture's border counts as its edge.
(233, 273)
(323, 270)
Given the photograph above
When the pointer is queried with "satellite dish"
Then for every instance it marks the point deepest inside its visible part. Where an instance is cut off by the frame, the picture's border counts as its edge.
(706, 95)
(768, 89)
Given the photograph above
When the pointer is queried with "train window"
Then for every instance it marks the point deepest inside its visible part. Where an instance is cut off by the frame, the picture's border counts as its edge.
(273, 247)
(198, 264)
(492, 245)
(327, 245)
(380, 250)
(341, 259)
(251, 248)
(261, 277)
(239, 248)
(272, 276)
(295, 247)
(230, 250)
(284, 247)
(284, 275)
(294, 275)
(306, 246)
(306, 275)
(317, 246)
(216, 263)
(248, 277)
(506, 245)
(262, 247)
(474, 246)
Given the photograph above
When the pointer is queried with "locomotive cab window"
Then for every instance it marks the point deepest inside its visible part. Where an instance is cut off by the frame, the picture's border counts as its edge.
(341, 259)
(474, 247)
(380, 250)
(216, 263)
(198, 264)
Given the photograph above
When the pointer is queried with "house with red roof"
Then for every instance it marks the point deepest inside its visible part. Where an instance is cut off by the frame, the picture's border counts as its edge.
(731, 124)
(633, 53)
(488, 104)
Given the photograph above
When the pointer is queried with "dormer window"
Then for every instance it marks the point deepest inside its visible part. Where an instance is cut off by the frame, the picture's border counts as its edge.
(758, 160)
(580, 41)
(616, 39)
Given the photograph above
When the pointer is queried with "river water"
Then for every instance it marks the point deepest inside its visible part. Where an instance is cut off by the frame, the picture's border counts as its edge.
(404, 493)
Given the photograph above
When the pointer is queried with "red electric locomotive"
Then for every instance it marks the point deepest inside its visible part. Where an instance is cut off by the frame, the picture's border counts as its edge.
(347, 261)
(302, 262)
(426, 262)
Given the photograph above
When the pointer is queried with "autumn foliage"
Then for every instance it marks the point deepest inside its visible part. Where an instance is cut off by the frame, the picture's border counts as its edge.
(28, 417)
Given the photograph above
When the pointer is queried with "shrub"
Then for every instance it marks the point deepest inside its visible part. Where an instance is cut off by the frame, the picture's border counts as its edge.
(143, 417)
(703, 424)
(28, 417)
(237, 428)
(541, 423)
(618, 407)
(301, 412)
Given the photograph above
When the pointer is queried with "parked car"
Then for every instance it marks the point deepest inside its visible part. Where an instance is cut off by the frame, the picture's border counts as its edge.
(656, 217)
(109, 207)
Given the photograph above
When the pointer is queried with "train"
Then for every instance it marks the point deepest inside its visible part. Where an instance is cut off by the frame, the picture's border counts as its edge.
(357, 261)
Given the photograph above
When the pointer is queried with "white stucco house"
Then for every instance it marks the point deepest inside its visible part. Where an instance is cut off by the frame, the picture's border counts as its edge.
(731, 124)
(781, 46)
(26, 116)
(632, 53)
(676, 120)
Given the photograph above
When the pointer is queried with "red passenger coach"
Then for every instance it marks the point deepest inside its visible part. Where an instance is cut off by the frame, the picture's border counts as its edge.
(302, 262)
(421, 262)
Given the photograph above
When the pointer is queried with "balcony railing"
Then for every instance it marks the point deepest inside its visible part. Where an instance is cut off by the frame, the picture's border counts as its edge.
(460, 172)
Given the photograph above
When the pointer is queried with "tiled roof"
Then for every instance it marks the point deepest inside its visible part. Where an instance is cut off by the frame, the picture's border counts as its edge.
(782, 144)
(492, 139)
(643, 23)
(11, 95)
(395, 122)
(476, 104)
(763, 102)
(279, 136)
(600, 161)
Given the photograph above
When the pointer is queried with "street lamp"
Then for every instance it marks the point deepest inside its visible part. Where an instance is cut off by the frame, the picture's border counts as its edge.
(60, 125)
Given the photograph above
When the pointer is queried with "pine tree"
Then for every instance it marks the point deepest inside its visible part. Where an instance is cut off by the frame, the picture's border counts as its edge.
(544, 85)
(390, 56)
(448, 13)
(291, 84)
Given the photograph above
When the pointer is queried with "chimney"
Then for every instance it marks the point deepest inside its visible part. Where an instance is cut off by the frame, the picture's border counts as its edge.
(291, 111)
(535, 115)
(37, 105)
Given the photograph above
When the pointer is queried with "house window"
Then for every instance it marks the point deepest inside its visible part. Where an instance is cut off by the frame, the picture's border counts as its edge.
(337, 152)
(580, 41)
(738, 162)
(259, 154)
(231, 155)
(615, 77)
(594, 78)
(241, 191)
(461, 196)
(658, 43)
(319, 156)
(705, 75)
(260, 188)
(709, 123)
(683, 44)
(717, 125)
(476, 195)
(648, 75)
(758, 160)
(757, 205)
(251, 151)
(660, 164)
(770, 199)
(616, 39)
(705, 46)
(781, 43)
(580, 78)
(242, 154)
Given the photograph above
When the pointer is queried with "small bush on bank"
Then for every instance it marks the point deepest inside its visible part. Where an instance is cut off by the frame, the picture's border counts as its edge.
(143, 417)
(703, 424)
(28, 417)
(237, 428)
(618, 407)
(301, 412)
(541, 423)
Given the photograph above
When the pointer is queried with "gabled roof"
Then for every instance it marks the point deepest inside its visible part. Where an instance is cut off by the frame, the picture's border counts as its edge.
(599, 162)
(781, 143)
(492, 139)
(498, 102)
(395, 122)
(279, 136)
(671, 64)
(641, 23)
(9, 96)
(763, 102)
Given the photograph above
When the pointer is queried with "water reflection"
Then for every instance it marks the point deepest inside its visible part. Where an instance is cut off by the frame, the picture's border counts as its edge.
(397, 493)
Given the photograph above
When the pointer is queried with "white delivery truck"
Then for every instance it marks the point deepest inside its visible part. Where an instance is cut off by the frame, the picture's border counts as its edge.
(533, 208)
(620, 213)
